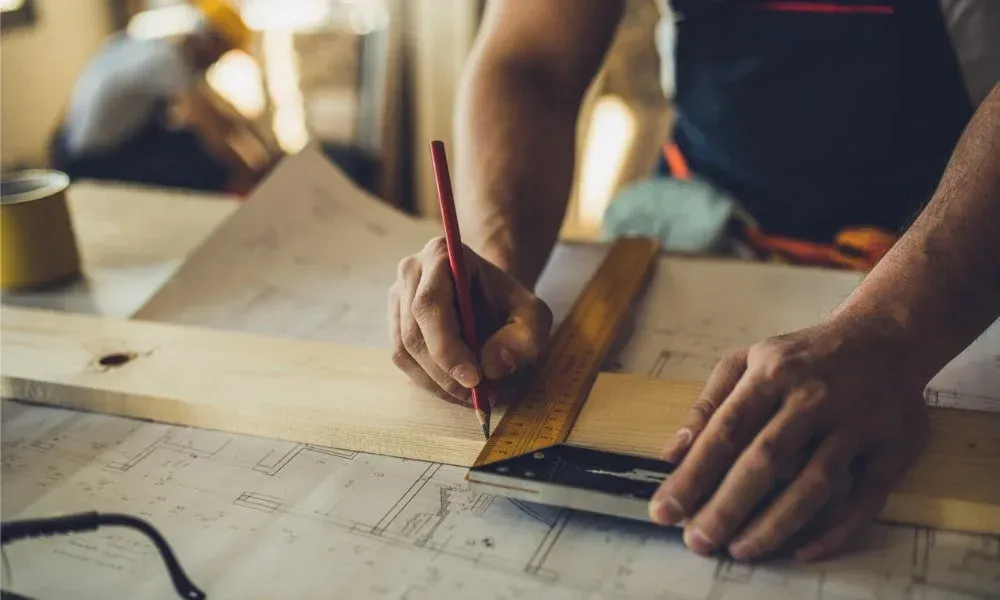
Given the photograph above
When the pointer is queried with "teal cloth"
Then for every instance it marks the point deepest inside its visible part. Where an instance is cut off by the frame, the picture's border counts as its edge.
(684, 215)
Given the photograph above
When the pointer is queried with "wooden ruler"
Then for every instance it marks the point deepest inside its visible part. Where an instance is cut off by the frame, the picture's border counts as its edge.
(545, 414)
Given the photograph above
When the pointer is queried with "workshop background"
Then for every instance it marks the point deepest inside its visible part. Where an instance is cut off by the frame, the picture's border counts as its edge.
(370, 80)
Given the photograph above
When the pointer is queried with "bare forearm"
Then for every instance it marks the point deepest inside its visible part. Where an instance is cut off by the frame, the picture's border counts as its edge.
(940, 285)
(515, 129)
(515, 136)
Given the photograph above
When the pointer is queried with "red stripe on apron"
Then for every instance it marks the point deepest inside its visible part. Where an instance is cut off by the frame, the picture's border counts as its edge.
(825, 8)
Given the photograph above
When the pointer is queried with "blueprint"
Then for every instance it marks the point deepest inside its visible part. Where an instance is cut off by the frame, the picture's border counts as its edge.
(256, 518)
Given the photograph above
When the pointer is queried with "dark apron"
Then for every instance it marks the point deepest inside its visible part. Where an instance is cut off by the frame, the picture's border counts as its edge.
(817, 115)
(154, 155)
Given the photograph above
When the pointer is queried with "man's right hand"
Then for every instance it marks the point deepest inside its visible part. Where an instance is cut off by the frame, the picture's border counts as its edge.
(424, 323)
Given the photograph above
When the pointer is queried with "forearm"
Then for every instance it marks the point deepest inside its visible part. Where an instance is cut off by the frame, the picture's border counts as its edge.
(515, 139)
(940, 285)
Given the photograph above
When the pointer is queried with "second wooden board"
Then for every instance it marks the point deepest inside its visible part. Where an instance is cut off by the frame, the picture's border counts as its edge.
(954, 484)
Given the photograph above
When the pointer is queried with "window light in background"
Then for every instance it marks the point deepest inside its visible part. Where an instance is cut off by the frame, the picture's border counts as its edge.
(287, 15)
(237, 78)
(166, 21)
(366, 16)
(9, 5)
(283, 82)
(611, 132)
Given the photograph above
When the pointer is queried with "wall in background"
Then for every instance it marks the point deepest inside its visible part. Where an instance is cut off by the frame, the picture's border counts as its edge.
(439, 36)
(624, 121)
(38, 67)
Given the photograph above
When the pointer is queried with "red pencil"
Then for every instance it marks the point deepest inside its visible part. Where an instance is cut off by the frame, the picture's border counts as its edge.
(460, 276)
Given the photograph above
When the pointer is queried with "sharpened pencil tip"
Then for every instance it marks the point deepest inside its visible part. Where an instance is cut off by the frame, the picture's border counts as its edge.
(484, 420)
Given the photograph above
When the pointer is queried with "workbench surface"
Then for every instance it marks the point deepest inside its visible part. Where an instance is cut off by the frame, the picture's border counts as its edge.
(131, 239)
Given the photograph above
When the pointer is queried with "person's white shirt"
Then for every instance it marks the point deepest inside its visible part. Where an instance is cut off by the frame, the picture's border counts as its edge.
(118, 90)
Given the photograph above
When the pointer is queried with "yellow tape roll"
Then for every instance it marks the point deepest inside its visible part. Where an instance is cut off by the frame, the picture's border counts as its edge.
(37, 241)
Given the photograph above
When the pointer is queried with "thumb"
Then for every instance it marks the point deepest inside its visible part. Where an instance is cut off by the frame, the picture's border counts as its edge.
(519, 342)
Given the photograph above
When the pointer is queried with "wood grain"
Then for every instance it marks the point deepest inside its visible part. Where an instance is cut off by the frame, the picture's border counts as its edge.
(310, 392)
(954, 485)
(356, 399)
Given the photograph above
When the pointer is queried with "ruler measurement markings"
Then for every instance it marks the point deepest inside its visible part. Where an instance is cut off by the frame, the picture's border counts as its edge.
(555, 397)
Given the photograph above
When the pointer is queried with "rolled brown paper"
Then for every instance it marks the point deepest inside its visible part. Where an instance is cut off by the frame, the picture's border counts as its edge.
(37, 241)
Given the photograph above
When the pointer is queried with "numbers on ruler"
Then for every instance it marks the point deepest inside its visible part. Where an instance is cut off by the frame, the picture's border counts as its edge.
(546, 414)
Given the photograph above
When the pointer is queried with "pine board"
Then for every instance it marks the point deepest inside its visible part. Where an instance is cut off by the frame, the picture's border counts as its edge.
(356, 399)
(310, 392)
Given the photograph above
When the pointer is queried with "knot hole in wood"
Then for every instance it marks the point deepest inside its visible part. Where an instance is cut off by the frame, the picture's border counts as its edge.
(116, 359)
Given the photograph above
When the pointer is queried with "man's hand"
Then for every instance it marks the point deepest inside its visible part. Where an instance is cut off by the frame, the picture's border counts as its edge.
(834, 408)
(424, 323)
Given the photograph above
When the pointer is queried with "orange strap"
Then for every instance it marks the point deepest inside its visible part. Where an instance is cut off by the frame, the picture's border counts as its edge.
(857, 248)
(675, 161)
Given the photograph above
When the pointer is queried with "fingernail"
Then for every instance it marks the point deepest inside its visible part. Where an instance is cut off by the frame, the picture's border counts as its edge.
(809, 553)
(681, 442)
(742, 550)
(508, 359)
(665, 509)
(696, 540)
(466, 375)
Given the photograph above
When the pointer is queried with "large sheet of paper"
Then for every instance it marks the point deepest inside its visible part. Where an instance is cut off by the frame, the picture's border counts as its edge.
(697, 311)
(309, 256)
(256, 518)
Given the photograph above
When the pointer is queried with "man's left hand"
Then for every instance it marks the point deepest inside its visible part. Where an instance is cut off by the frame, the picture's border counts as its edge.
(834, 407)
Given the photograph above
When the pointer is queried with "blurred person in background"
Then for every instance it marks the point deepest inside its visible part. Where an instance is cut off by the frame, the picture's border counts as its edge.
(142, 112)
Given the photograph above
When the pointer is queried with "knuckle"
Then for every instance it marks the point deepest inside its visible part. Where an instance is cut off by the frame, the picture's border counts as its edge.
(729, 425)
(723, 438)
(812, 397)
(413, 340)
(777, 359)
(821, 480)
(435, 247)
(765, 457)
(776, 366)
(423, 306)
(406, 268)
(703, 409)
(732, 361)
(400, 357)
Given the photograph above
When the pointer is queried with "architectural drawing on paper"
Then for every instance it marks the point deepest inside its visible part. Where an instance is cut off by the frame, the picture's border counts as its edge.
(418, 520)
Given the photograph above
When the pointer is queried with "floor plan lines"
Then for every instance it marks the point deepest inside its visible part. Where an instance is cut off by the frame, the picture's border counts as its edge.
(268, 504)
(339, 522)
(537, 562)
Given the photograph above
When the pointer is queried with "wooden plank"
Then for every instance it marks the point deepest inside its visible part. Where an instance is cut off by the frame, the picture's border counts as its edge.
(355, 398)
(954, 484)
(310, 392)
